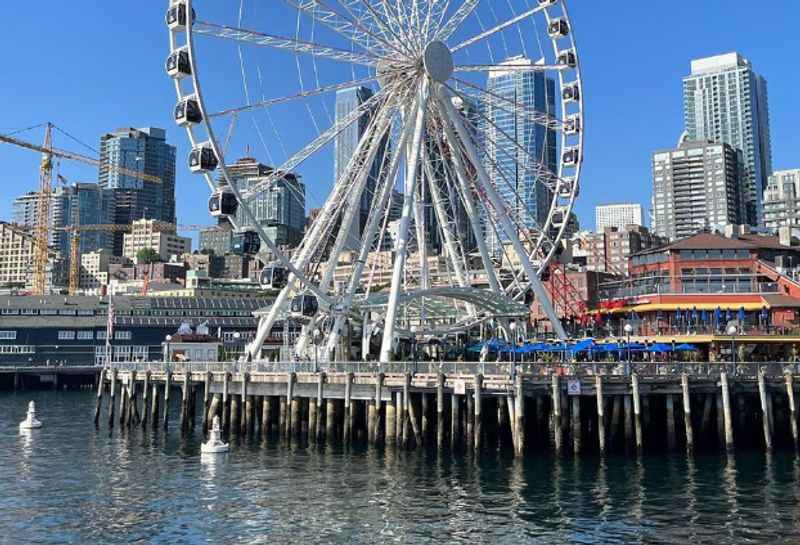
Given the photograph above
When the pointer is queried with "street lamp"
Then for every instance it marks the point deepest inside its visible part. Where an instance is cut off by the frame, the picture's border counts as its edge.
(732, 332)
(628, 330)
(317, 334)
(513, 327)
(167, 340)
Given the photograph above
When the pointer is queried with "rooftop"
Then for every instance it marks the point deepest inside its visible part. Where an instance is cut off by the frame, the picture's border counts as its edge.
(713, 241)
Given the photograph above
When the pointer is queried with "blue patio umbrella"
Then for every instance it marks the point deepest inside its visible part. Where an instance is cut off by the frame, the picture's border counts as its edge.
(704, 316)
(660, 348)
(685, 348)
(741, 315)
(717, 316)
(728, 315)
(678, 315)
(694, 314)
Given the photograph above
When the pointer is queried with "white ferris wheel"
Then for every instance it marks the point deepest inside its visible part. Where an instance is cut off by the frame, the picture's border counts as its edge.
(462, 173)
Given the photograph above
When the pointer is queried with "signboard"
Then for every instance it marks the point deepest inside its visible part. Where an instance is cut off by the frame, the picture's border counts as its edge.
(460, 387)
(574, 387)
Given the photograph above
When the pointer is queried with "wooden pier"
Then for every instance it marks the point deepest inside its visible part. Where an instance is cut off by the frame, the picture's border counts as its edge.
(566, 408)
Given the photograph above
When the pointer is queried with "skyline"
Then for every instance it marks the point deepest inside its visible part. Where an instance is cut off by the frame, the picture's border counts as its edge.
(82, 99)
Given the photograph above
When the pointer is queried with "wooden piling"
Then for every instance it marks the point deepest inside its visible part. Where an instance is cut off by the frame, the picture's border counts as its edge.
(206, 399)
(627, 416)
(185, 402)
(146, 399)
(250, 414)
(478, 431)
(616, 416)
(425, 412)
(244, 419)
(455, 419)
(112, 389)
(762, 394)
(376, 426)
(99, 400)
(167, 387)
(687, 412)
(502, 420)
(320, 390)
(411, 412)
(154, 402)
(670, 403)
(469, 418)
(726, 408)
(295, 417)
(330, 420)
(637, 410)
(721, 417)
(213, 408)
(349, 413)
(288, 408)
(312, 419)
(226, 382)
(440, 433)
(792, 408)
(404, 411)
(576, 424)
(512, 421)
(555, 397)
(134, 417)
(123, 402)
(235, 417)
(519, 415)
(601, 426)
(283, 416)
(391, 420)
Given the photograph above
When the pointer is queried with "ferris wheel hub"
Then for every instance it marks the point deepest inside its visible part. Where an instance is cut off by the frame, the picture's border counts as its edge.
(438, 61)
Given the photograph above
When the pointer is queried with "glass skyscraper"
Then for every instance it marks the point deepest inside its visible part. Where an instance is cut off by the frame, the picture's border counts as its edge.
(516, 145)
(144, 150)
(347, 100)
(725, 101)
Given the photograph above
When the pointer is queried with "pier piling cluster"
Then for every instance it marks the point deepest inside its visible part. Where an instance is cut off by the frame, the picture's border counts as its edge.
(465, 411)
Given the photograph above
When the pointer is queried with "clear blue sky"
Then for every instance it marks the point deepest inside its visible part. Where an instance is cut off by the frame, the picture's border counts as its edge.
(92, 66)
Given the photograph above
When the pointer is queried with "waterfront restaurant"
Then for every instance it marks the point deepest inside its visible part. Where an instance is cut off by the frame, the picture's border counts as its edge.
(694, 289)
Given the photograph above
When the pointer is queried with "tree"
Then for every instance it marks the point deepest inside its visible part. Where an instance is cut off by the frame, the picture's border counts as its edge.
(145, 256)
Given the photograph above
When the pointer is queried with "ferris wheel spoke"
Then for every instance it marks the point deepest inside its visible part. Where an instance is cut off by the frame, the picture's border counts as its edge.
(502, 26)
(389, 31)
(290, 98)
(512, 66)
(495, 100)
(318, 143)
(351, 29)
(483, 179)
(461, 14)
(283, 43)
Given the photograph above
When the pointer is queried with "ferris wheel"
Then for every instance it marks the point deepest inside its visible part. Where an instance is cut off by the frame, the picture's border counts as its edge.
(457, 156)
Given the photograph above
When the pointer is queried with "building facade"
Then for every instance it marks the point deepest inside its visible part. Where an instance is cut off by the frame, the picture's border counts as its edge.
(617, 215)
(148, 234)
(610, 250)
(696, 186)
(144, 150)
(513, 140)
(218, 239)
(782, 200)
(725, 101)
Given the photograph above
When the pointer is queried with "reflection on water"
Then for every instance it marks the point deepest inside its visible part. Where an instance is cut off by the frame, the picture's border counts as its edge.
(70, 483)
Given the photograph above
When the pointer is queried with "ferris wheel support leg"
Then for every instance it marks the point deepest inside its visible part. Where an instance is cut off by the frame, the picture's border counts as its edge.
(541, 295)
(366, 241)
(402, 239)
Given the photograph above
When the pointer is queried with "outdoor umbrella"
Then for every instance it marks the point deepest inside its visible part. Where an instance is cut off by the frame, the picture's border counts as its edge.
(660, 348)
(694, 314)
(741, 315)
(717, 316)
(685, 347)
(728, 315)
(704, 316)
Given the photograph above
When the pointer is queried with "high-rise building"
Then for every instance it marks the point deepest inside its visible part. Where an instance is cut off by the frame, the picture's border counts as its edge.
(617, 215)
(345, 145)
(217, 239)
(725, 101)
(610, 249)
(696, 187)
(782, 200)
(144, 150)
(17, 252)
(513, 140)
(279, 208)
(144, 234)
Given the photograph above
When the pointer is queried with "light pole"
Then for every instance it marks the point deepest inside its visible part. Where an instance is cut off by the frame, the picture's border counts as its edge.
(628, 330)
(167, 340)
(513, 327)
(317, 334)
(236, 337)
(732, 332)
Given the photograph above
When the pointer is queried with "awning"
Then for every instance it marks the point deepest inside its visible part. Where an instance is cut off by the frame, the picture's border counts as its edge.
(732, 306)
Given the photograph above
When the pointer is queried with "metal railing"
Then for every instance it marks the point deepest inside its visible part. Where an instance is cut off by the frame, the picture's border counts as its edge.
(711, 370)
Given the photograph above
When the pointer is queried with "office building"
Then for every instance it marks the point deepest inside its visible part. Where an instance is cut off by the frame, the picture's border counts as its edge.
(279, 207)
(345, 145)
(143, 150)
(617, 215)
(217, 239)
(725, 101)
(609, 250)
(516, 145)
(782, 200)
(147, 234)
(696, 187)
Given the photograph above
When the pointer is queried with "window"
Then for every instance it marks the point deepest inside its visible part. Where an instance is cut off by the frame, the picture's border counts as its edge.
(101, 335)
(48, 312)
(85, 335)
(29, 312)
(122, 335)
(9, 311)
(8, 335)
(66, 335)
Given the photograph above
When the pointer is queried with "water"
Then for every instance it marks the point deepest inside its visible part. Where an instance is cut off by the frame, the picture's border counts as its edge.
(68, 483)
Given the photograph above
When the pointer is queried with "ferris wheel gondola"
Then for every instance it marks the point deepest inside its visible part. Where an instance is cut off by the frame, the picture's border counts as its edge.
(443, 79)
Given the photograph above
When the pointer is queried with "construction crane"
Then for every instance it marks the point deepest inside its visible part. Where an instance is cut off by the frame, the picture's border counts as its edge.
(44, 200)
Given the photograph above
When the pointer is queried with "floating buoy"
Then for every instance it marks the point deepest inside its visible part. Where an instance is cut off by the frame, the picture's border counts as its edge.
(214, 444)
(30, 421)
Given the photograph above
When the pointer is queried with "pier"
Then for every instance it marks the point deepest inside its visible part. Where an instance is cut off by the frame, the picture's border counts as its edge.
(589, 407)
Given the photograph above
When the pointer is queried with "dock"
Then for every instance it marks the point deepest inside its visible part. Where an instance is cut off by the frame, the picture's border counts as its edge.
(577, 408)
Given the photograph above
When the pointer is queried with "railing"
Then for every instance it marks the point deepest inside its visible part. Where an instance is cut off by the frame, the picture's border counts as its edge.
(667, 369)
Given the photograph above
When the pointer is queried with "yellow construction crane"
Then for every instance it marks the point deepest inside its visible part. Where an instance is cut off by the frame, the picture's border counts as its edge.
(43, 202)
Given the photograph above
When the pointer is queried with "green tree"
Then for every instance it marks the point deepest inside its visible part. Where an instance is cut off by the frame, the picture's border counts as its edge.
(147, 255)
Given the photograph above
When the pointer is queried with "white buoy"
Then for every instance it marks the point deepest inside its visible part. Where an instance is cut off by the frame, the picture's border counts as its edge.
(30, 421)
(214, 444)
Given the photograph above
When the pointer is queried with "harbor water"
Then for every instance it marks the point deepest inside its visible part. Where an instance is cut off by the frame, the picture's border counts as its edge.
(71, 483)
